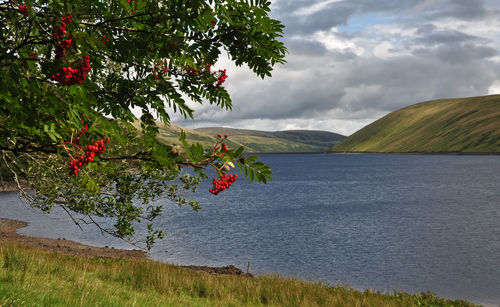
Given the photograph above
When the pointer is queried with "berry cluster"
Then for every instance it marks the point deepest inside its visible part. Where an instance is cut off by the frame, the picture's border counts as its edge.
(105, 39)
(71, 76)
(63, 46)
(162, 70)
(223, 145)
(23, 9)
(222, 77)
(223, 183)
(92, 151)
(83, 130)
(59, 33)
(191, 70)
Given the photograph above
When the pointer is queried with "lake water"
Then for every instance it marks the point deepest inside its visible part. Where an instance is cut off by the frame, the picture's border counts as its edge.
(403, 222)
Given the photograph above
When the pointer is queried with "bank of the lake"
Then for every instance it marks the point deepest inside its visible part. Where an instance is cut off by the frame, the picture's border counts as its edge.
(32, 275)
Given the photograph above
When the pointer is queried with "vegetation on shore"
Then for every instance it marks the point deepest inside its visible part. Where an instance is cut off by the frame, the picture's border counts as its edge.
(463, 125)
(255, 141)
(30, 277)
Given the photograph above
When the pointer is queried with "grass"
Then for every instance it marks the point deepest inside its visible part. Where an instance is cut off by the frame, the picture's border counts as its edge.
(465, 125)
(30, 277)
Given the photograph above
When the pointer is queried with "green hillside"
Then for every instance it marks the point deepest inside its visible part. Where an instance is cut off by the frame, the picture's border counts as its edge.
(468, 125)
(279, 141)
(254, 140)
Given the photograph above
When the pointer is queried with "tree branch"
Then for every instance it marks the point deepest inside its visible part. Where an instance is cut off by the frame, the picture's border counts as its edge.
(25, 40)
(94, 24)
(122, 18)
(71, 216)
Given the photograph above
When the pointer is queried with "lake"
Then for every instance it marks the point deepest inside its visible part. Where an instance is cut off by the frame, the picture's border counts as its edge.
(398, 222)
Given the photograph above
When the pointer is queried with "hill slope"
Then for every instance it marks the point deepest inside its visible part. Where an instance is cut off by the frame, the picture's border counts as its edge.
(169, 134)
(254, 140)
(469, 125)
(279, 141)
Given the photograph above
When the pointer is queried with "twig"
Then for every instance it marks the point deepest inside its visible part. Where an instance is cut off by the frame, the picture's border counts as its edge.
(16, 178)
(71, 216)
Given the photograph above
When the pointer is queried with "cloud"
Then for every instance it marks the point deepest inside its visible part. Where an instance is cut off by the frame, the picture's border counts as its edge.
(353, 61)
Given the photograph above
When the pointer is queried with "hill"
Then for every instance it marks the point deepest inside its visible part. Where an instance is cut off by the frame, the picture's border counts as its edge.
(462, 125)
(255, 140)
(279, 141)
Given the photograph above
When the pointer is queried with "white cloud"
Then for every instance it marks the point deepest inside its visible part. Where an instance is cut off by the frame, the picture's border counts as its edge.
(305, 11)
(494, 88)
(333, 42)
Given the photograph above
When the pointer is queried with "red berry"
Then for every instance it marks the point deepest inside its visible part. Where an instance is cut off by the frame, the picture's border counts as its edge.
(23, 9)
(223, 183)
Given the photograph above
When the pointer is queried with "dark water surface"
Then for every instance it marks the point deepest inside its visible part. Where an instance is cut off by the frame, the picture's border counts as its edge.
(407, 222)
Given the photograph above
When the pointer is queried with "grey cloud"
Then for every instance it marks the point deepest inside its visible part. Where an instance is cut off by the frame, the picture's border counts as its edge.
(308, 48)
(449, 45)
(322, 20)
(356, 86)
(435, 61)
(304, 47)
(334, 14)
(429, 35)
(457, 53)
(339, 13)
(406, 80)
(462, 9)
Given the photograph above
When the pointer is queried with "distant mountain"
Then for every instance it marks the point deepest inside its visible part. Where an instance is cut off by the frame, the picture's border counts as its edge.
(256, 140)
(468, 125)
(169, 134)
(279, 141)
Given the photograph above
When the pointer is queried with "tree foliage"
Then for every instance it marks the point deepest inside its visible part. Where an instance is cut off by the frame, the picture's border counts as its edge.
(70, 72)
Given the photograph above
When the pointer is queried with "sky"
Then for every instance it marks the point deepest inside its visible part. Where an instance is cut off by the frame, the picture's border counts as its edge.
(351, 62)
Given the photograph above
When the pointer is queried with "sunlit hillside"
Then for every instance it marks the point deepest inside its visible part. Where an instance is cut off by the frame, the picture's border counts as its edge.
(468, 125)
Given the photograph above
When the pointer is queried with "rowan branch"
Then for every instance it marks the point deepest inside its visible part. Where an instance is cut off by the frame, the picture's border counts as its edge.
(117, 28)
(71, 216)
(122, 18)
(24, 41)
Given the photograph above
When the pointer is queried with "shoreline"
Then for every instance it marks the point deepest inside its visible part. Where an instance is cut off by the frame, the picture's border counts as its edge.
(423, 153)
(8, 234)
(10, 186)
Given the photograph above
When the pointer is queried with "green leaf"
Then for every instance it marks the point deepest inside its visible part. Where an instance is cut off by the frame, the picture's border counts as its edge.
(251, 174)
(251, 159)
